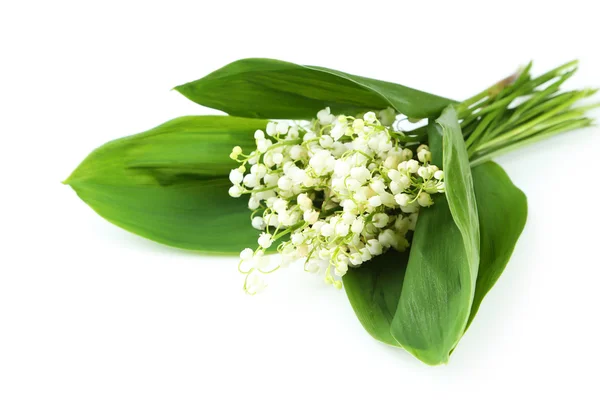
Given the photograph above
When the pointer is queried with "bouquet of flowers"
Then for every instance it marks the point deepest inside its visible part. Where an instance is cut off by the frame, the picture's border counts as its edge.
(383, 190)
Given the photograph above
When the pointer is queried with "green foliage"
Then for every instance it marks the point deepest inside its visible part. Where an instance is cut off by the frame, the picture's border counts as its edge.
(502, 209)
(374, 291)
(170, 184)
(266, 88)
(437, 292)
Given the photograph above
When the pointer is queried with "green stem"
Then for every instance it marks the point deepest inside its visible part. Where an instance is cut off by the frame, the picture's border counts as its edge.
(477, 159)
(520, 110)
(524, 127)
(465, 108)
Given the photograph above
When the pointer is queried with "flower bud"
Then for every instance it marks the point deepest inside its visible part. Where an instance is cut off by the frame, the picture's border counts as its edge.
(341, 269)
(277, 158)
(424, 172)
(258, 223)
(387, 116)
(370, 117)
(380, 220)
(246, 254)
(324, 116)
(296, 152)
(235, 191)
(361, 174)
(237, 150)
(236, 177)
(412, 166)
(253, 203)
(424, 199)
(402, 199)
(341, 229)
(311, 216)
(424, 156)
(271, 128)
(375, 201)
(355, 259)
(326, 141)
(282, 128)
(327, 230)
(265, 240)
(358, 225)
(358, 125)
(284, 183)
(374, 247)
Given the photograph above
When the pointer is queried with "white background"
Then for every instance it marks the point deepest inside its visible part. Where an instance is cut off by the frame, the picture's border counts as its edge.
(88, 311)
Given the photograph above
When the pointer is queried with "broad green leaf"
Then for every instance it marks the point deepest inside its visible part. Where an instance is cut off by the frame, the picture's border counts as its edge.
(437, 292)
(439, 284)
(502, 211)
(374, 290)
(170, 184)
(459, 184)
(266, 88)
(199, 145)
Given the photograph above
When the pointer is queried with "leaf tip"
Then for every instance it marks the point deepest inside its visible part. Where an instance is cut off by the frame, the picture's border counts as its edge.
(68, 180)
(72, 179)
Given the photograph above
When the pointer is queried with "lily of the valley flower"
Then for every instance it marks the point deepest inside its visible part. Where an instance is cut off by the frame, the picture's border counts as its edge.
(336, 193)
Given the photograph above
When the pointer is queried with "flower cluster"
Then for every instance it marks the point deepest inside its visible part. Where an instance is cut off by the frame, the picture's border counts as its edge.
(335, 192)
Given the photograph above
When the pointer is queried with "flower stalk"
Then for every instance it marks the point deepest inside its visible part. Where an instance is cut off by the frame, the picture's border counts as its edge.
(521, 110)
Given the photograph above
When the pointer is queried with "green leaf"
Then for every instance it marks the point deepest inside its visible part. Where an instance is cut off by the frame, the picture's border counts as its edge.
(199, 145)
(170, 184)
(266, 88)
(439, 284)
(437, 292)
(502, 211)
(459, 184)
(374, 290)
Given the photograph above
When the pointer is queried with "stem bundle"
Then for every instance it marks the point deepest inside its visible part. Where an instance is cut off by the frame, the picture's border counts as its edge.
(521, 110)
